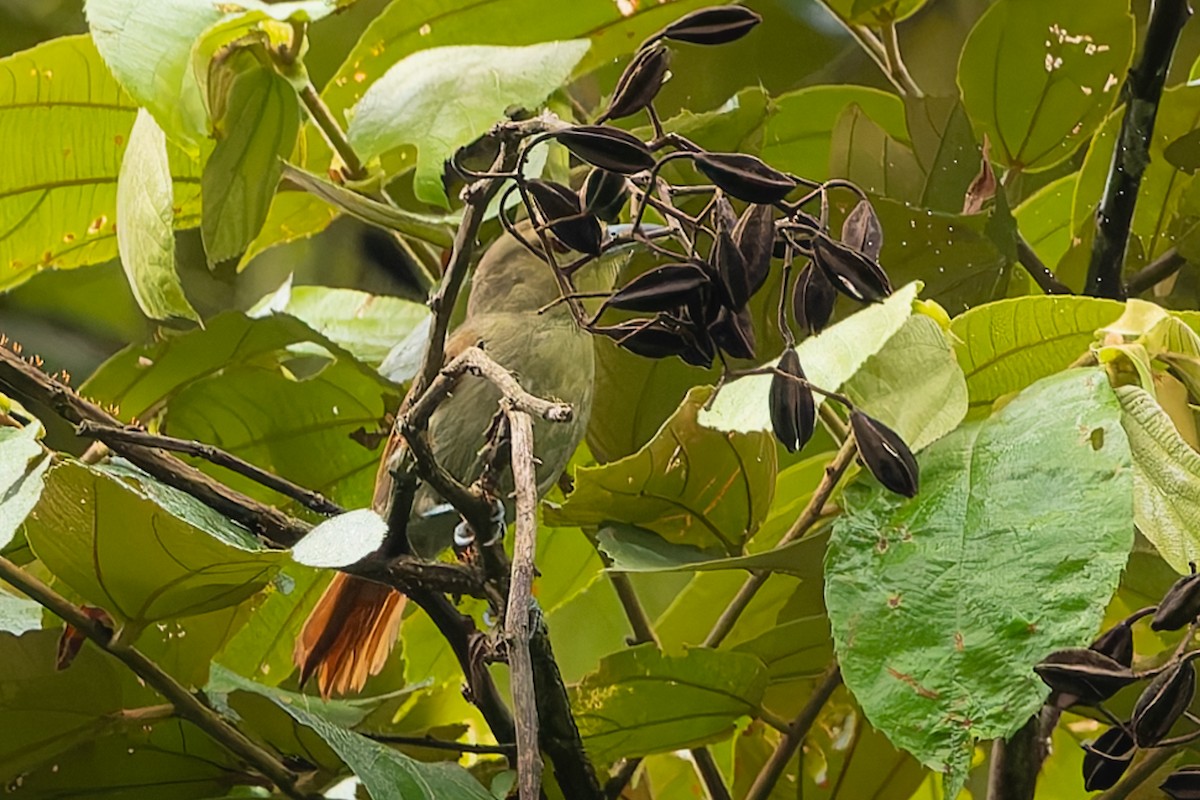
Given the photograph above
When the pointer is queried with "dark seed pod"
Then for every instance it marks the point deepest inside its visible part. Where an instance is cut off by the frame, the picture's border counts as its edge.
(862, 231)
(1116, 643)
(716, 25)
(885, 454)
(793, 410)
(639, 83)
(733, 332)
(1080, 671)
(754, 235)
(724, 217)
(744, 176)
(1180, 605)
(573, 226)
(1183, 784)
(604, 194)
(657, 339)
(1106, 759)
(608, 148)
(731, 269)
(813, 299)
(850, 271)
(660, 289)
(1162, 703)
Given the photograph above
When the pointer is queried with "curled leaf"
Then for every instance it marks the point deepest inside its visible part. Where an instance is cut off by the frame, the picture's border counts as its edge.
(715, 25)
(1092, 677)
(886, 455)
(744, 176)
(850, 271)
(639, 83)
(1162, 703)
(560, 207)
(793, 409)
(813, 298)
(608, 148)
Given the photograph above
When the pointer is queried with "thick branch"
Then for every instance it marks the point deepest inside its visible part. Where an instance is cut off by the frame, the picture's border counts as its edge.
(777, 763)
(558, 733)
(1141, 92)
(1157, 270)
(520, 600)
(192, 707)
(132, 435)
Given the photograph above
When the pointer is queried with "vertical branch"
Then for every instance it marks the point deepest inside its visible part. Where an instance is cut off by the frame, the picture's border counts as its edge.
(520, 598)
(1131, 154)
(1016, 762)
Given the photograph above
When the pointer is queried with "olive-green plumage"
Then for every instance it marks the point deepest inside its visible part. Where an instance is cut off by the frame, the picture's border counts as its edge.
(511, 313)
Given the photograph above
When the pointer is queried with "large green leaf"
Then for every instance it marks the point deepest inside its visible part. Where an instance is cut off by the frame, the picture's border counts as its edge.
(262, 649)
(640, 701)
(1039, 77)
(632, 549)
(689, 484)
(367, 325)
(874, 12)
(1007, 345)
(829, 359)
(913, 384)
(942, 604)
(140, 550)
(145, 234)
(407, 105)
(865, 154)
(68, 120)
(944, 145)
(1163, 186)
(1166, 479)
(798, 134)
(387, 773)
(257, 130)
(1044, 219)
(22, 467)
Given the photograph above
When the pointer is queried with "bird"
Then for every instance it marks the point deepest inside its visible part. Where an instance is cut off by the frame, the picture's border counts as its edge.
(511, 313)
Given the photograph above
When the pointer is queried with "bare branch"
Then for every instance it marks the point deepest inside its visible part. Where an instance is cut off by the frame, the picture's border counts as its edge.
(192, 707)
(1046, 280)
(1157, 270)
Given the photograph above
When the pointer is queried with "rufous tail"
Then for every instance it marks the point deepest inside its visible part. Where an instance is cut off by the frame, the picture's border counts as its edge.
(348, 635)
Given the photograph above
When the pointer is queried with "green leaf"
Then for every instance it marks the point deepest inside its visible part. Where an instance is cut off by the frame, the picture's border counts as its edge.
(829, 359)
(1044, 219)
(258, 129)
(67, 117)
(799, 649)
(640, 701)
(874, 12)
(1039, 77)
(189, 559)
(689, 484)
(407, 105)
(22, 468)
(1166, 479)
(913, 384)
(633, 549)
(945, 148)
(798, 134)
(148, 45)
(366, 325)
(145, 233)
(863, 153)
(941, 604)
(262, 649)
(387, 773)
(1157, 222)
(1004, 346)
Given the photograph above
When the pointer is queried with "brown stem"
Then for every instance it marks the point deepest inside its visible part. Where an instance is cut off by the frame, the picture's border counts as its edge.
(520, 599)
(1046, 280)
(1016, 762)
(639, 621)
(900, 73)
(1157, 270)
(192, 707)
(133, 435)
(769, 775)
(807, 518)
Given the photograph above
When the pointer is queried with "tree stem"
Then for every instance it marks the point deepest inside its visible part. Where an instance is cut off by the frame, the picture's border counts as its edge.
(322, 117)
(1131, 154)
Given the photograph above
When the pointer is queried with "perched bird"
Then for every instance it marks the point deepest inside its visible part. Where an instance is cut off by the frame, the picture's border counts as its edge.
(350, 632)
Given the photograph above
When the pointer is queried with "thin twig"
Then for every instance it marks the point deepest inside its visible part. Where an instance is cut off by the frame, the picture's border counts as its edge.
(809, 516)
(192, 707)
(1141, 772)
(1157, 270)
(769, 775)
(1131, 154)
(1037, 269)
(635, 612)
(891, 48)
(442, 744)
(322, 117)
(132, 435)
(709, 774)
(520, 599)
